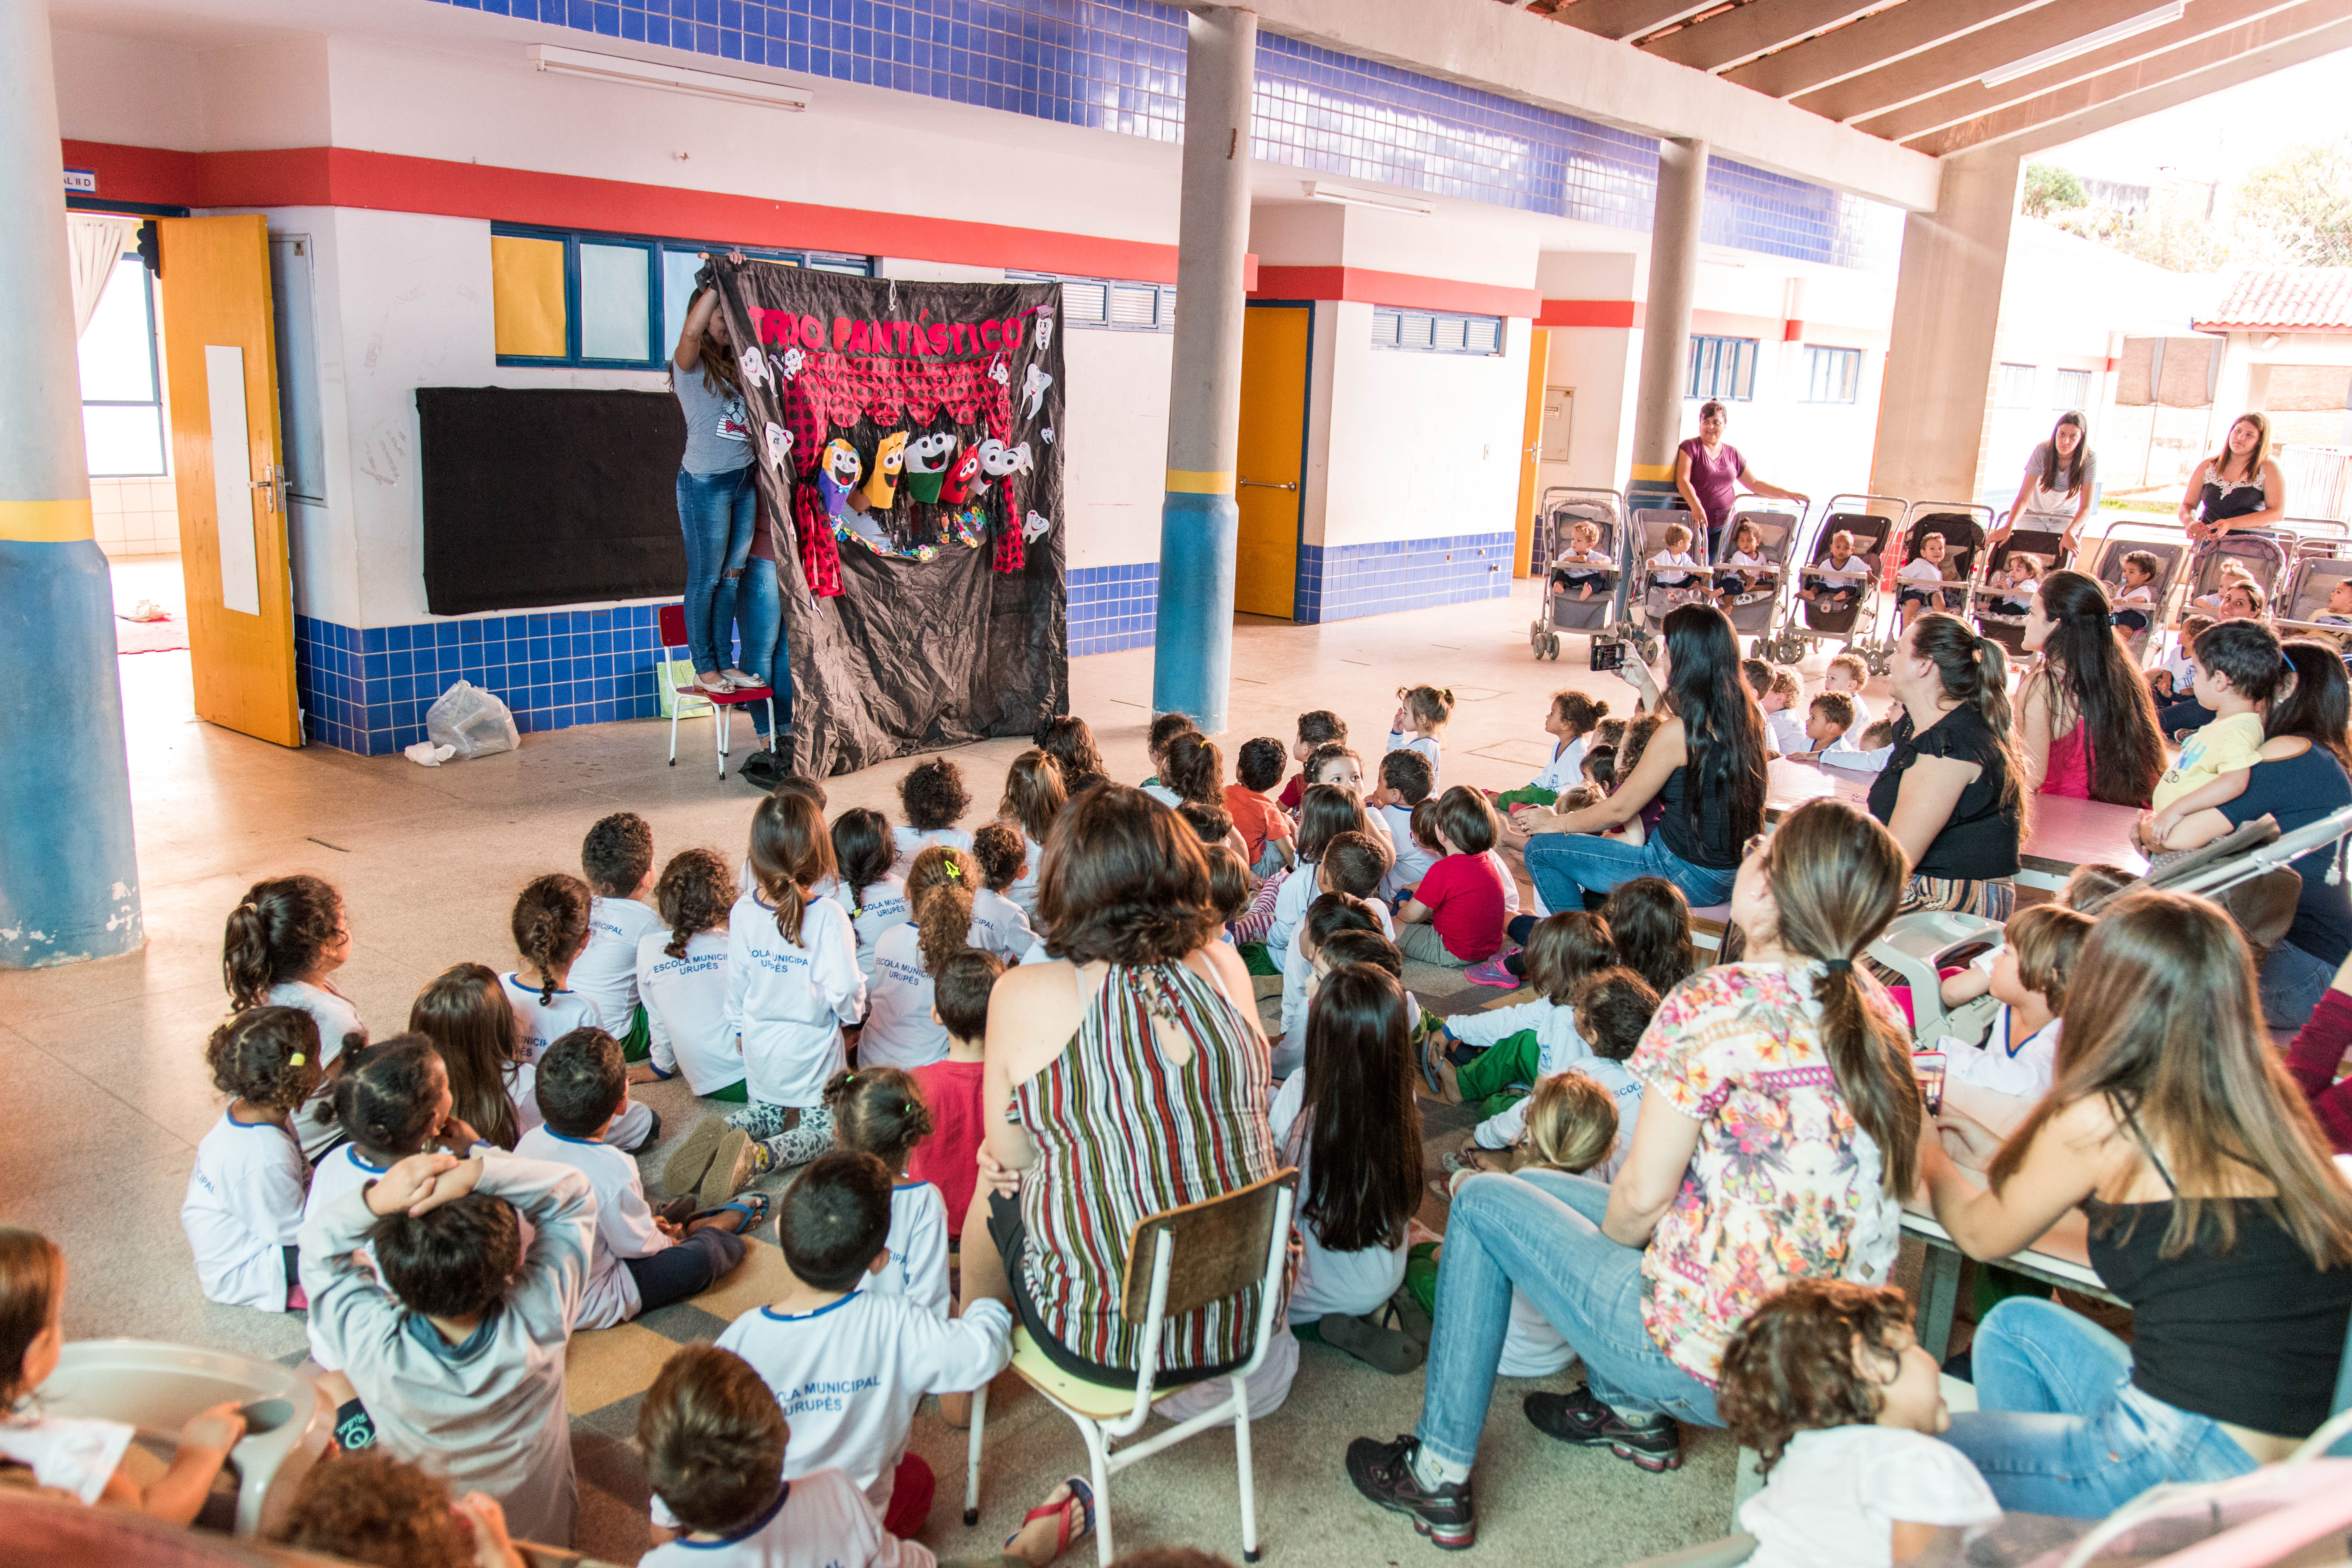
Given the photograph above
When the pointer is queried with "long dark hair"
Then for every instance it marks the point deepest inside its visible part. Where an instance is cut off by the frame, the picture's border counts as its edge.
(716, 361)
(1974, 670)
(465, 1013)
(1649, 921)
(1362, 1130)
(1065, 738)
(275, 933)
(1836, 874)
(1196, 769)
(791, 851)
(2319, 708)
(863, 852)
(1723, 730)
(2086, 661)
(2074, 464)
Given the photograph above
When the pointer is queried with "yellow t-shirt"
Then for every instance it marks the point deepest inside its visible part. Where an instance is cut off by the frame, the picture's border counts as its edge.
(2220, 747)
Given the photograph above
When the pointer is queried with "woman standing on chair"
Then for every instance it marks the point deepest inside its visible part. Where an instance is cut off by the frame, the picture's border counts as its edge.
(1709, 472)
(714, 508)
(2238, 486)
(2061, 478)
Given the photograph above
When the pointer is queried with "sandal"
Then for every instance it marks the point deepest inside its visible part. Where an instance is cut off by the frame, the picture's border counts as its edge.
(1392, 1351)
(752, 1206)
(1081, 1494)
(683, 1173)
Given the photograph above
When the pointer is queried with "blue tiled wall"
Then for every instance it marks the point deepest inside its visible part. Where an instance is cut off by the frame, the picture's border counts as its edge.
(1112, 607)
(1118, 66)
(1340, 583)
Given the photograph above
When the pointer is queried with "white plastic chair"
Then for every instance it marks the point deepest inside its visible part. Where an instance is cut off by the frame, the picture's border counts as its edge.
(157, 1387)
(1200, 1253)
(671, 619)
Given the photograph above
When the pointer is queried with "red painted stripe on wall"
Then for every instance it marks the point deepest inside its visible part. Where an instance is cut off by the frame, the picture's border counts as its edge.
(1401, 290)
(1591, 313)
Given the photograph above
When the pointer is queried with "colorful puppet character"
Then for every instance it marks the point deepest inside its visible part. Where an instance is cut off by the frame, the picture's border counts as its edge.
(1000, 461)
(1034, 383)
(791, 360)
(927, 464)
(838, 475)
(882, 488)
(1039, 524)
(779, 447)
(963, 483)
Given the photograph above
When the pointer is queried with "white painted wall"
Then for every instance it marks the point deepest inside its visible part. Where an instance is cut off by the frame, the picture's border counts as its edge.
(1114, 447)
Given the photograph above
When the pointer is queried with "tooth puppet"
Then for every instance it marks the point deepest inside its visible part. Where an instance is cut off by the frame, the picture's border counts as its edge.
(927, 457)
(882, 488)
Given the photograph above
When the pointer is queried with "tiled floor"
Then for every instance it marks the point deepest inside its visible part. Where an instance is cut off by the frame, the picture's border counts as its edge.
(111, 1096)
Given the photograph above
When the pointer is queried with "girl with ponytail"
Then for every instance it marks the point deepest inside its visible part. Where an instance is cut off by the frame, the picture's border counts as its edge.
(284, 940)
(551, 930)
(464, 1011)
(900, 1030)
(1954, 795)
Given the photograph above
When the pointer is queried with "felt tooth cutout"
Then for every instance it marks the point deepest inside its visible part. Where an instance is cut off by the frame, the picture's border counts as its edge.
(779, 446)
(926, 465)
(999, 461)
(958, 487)
(1034, 383)
(882, 488)
(1000, 372)
(753, 363)
(1036, 529)
(837, 474)
(1044, 327)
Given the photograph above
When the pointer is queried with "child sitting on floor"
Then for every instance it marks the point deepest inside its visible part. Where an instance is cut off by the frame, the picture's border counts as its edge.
(1455, 915)
(1490, 1057)
(637, 1262)
(284, 942)
(616, 860)
(1422, 712)
(1317, 728)
(934, 798)
(1569, 721)
(864, 883)
(463, 1010)
(370, 1506)
(1330, 914)
(244, 1205)
(551, 931)
(949, 1087)
(1163, 731)
(998, 924)
(1033, 798)
(1326, 812)
(458, 1352)
(82, 1456)
(1610, 1009)
(1828, 1384)
(899, 1031)
(879, 1111)
(873, 1354)
(682, 978)
(1264, 829)
(1405, 782)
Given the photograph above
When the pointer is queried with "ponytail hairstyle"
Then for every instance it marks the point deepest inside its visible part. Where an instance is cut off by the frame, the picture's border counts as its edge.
(694, 895)
(1578, 711)
(1000, 852)
(1836, 875)
(464, 1013)
(1361, 1127)
(1432, 705)
(940, 886)
(551, 926)
(1033, 796)
(267, 1057)
(1325, 812)
(790, 853)
(878, 1111)
(1974, 670)
(387, 1096)
(2319, 708)
(863, 852)
(32, 1284)
(1196, 768)
(2091, 672)
(277, 934)
(1066, 739)
(1572, 1123)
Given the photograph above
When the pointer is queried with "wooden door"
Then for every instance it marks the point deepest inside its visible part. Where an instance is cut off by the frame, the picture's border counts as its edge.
(230, 474)
(1268, 485)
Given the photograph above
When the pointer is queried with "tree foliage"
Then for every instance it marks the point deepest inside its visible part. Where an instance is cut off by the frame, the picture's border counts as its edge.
(2294, 211)
(2050, 188)
(2302, 200)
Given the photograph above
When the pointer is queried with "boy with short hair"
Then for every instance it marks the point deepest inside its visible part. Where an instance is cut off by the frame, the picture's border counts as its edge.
(2174, 678)
(1317, 728)
(1265, 831)
(637, 1262)
(616, 860)
(1406, 779)
(1829, 728)
(1757, 674)
(1846, 673)
(2237, 669)
(454, 1340)
(949, 1158)
(848, 1366)
(1455, 918)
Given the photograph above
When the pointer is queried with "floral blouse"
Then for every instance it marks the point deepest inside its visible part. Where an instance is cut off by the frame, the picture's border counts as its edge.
(1784, 1184)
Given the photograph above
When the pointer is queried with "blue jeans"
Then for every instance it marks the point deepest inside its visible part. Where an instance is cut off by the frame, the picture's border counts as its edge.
(715, 512)
(2171, 718)
(2061, 1430)
(1541, 1231)
(2293, 981)
(1563, 864)
(692, 1267)
(754, 606)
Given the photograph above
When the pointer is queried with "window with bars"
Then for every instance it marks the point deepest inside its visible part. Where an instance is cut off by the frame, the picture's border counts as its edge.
(1723, 368)
(2072, 389)
(1436, 331)
(1831, 375)
(2014, 389)
(1119, 304)
(603, 300)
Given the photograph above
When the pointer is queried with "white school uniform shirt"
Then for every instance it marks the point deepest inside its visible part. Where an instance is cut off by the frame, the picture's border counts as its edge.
(1410, 862)
(1833, 1499)
(2181, 668)
(686, 1010)
(912, 840)
(820, 1521)
(74, 1454)
(489, 1414)
(1558, 1048)
(607, 970)
(1037, 953)
(1353, 1282)
(1297, 969)
(1299, 888)
(1787, 727)
(999, 925)
(1921, 570)
(850, 1373)
(1428, 747)
(1673, 558)
(1564, 772)
(899, 1030)
(244, 1208)
(333, 1013)
(541, 1023)
(1846, 752)
(342, 1172)
(624, 1225)
(917, 1269)
(1024, 890)
(880, 905)
(788, 1001)
(2025, 1068)
(1163, 793)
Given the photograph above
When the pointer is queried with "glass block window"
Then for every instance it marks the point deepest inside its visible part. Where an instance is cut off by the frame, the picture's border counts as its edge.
(121, 393)
(2013, 387)
(1120, 303)
(1436, 331)
(1722, 368)
(1831, 375)
(2072, 389)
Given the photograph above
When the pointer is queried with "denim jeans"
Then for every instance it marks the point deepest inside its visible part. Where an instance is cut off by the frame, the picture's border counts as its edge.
(1541, 1231)
(2061, 1430)
(2171, 718)
(694, 1265)
(754, 605)
(2293, 981)
(715, 512)
(1563, 864)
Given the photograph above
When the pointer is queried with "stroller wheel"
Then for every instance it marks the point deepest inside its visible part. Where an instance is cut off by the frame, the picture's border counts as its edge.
(1535, 639)
(1551, 646)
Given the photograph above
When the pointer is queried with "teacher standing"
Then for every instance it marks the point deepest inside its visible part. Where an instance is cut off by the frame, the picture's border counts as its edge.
(715, 505)
(2238, 486)
(1709, 471)
(2055, 496)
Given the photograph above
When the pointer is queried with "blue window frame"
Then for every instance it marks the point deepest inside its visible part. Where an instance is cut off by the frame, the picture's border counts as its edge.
(1119, 304)
(1436, 331)
(1723, 368)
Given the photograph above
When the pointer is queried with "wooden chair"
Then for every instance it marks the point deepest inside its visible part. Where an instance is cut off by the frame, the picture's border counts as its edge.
(1178, 1261)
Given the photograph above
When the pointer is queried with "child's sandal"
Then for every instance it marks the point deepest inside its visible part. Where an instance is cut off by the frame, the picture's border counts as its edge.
(1081, 1494)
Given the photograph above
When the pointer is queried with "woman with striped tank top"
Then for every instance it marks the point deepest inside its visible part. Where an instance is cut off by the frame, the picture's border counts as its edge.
(1136, 1079)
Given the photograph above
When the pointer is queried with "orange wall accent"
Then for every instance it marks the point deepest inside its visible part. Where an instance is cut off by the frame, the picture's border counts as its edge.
(1403, 290)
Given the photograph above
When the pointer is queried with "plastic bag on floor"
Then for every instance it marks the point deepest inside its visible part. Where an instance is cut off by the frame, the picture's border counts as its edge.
(471, 721)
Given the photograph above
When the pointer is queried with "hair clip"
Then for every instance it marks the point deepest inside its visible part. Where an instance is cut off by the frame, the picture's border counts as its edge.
(1838, 965)
(955, 871)
(297, 1059)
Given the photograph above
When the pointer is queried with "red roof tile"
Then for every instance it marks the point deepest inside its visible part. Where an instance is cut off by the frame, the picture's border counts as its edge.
(2284, 299)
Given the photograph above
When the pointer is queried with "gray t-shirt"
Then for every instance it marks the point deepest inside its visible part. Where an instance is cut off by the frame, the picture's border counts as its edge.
(717, 433)
(2060, 501)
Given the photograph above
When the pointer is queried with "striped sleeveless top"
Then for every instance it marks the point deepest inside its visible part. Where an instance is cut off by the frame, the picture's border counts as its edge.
(1123, 1133)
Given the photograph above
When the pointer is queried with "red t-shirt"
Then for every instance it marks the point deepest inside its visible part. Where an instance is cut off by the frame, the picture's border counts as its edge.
(1464, 898)
(1293, 793)
(1252, 813)
(949, 1158)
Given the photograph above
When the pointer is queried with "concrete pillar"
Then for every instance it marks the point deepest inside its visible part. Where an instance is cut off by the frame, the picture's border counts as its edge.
(1192, 642)
(1665, 319)
(68, 884)
(1939, 356)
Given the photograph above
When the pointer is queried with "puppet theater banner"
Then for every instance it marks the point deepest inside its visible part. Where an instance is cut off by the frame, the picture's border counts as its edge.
(906, 439)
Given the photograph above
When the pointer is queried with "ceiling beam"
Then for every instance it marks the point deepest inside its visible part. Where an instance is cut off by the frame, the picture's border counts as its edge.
(2177, 76)
(1972, 99)
(1883, 36)
(1628, 19)
(1756, 28)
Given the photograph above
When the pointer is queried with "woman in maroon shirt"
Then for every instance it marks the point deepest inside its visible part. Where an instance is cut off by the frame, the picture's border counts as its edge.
(1710, 473)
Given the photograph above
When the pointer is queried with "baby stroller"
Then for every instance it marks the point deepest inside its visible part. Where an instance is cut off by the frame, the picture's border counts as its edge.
(1565, 606)
(1648, 600)
(1840, 607)
(2263, 555)
(1962, 529)
(2171, 553)
(2310, 587)
(1757, 611)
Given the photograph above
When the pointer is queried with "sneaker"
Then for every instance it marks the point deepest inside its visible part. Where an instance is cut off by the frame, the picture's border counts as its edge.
(1652, 1442)
(1492, 972)
(733, 1163)
(1383, 1473)
(684, 1172)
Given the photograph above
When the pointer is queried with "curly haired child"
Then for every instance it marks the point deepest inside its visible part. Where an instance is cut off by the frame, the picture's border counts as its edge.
(682, 977)
(899, 1029)
(933, 796)
(999, 924)
(284, 942)
(371, 1508)
(244, 1207)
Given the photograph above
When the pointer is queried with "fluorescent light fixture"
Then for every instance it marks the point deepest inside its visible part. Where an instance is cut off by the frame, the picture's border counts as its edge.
(668, 78)
(1347, 196)
(2113, 33)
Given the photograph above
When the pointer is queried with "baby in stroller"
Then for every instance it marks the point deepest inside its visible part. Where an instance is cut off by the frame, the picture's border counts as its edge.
(1586, 569)
(1747, 551)
(1836, 582)
(1918, 586)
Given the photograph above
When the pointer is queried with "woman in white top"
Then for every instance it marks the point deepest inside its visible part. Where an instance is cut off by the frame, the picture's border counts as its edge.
(2055, 497)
